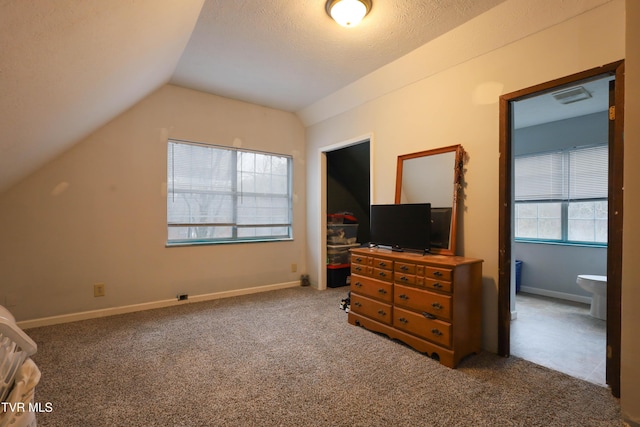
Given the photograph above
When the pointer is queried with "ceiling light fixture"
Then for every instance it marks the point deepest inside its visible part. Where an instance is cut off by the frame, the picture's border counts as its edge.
(348, 13)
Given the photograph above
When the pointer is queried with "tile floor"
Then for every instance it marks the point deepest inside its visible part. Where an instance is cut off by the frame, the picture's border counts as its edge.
(560, 335)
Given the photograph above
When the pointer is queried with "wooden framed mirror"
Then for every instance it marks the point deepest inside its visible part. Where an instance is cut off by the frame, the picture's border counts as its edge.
(434, 176)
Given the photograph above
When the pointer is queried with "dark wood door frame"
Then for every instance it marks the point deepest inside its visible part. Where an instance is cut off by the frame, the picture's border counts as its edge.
(614, 247)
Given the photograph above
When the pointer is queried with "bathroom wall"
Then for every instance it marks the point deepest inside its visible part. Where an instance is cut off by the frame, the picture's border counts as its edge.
(551, 269)
(586, 130)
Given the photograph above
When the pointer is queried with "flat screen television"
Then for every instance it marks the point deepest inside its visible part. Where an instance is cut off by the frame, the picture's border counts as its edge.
(402, 227)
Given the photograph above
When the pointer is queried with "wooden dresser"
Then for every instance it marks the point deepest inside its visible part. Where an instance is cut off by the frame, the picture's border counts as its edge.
(432, 303)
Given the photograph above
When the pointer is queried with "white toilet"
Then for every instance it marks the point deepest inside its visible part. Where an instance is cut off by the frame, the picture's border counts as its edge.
(597, 285)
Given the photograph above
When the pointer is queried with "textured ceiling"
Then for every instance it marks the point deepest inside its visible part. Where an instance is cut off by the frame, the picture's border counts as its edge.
(288, 54)
(69, 66)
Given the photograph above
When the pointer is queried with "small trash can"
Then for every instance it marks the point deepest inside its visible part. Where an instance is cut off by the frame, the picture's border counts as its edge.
(518, 274)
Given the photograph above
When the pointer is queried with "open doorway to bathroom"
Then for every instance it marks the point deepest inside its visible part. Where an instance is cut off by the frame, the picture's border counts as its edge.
(560, 179)
(561, 216)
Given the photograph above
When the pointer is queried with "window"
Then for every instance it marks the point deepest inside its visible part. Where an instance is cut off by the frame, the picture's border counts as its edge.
(562, 196)
(220, 194)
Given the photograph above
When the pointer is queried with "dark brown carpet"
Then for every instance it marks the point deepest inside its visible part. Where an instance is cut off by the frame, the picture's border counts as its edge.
(287, 358)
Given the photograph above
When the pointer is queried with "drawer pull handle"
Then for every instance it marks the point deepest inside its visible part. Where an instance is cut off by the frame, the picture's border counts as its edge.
(382, 274)
(358, 259)
(382, 313)
(404, 278)
(357, 304)
(437, 273)
(428, 315)
(437, 285)
(357, 284)
(358, 268)
(436, 332)
(404, 297)
(382, 291)
(404, 268)
(437, 306)
(403, 320)
(382, 264)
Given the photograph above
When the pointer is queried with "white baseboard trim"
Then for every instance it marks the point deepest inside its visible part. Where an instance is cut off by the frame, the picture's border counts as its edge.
(554, 294)
(93, 314)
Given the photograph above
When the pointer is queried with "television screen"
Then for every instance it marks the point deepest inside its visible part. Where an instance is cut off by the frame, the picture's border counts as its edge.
(440, 227)
(402, 227)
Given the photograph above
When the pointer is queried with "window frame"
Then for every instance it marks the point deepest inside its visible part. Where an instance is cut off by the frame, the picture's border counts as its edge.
(235, 194)
(564, 200)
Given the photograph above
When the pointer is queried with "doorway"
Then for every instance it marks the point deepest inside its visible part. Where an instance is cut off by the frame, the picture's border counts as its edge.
(347, 186)
(614, 247)
(560, 149)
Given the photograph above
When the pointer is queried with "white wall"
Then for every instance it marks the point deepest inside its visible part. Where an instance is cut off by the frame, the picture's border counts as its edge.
(630, 391)
(552, 270)
(97, 213)
(459, 105)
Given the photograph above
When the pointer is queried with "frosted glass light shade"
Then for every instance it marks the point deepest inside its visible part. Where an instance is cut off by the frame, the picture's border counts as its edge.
(348, 13)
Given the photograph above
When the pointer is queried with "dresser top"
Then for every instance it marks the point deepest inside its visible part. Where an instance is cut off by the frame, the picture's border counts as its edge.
(415, 257)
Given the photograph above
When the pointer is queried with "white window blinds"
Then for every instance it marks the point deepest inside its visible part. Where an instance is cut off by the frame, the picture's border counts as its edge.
(589, 173)
(540, 177)
(222, 194)
(577, 174)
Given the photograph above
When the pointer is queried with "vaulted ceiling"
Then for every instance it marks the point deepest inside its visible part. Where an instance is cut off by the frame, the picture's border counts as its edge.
(68, 67)
(288, 54)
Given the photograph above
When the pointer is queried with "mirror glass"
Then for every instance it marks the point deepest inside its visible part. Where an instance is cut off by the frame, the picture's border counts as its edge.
(433, 176)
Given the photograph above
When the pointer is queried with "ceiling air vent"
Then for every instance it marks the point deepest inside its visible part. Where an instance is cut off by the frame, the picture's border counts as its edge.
(573, 94)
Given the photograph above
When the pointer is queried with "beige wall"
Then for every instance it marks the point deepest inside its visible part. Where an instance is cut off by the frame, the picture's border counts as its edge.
(459, 105)
(630, 390)
(98, 212)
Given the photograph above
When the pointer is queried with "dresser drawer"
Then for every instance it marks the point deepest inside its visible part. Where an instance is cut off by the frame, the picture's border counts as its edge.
(409, 279)
(438, 285)
(423, 301)
(373, 309)
(372, 288)
(433, 330)
(403, 267)
(361, 269)
(359, 259)
(438, 273)
(382, 274)
(383, 264)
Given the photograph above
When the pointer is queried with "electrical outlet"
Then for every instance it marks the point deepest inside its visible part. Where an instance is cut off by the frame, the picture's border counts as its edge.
(98, 290)
(294, 268)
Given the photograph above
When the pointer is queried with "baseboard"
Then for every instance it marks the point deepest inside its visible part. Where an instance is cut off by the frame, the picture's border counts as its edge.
(554, 294)
(630, 423)
(93, 314)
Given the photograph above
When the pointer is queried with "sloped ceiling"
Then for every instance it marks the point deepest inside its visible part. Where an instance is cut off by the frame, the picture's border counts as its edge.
(69, 66)
(288, 54)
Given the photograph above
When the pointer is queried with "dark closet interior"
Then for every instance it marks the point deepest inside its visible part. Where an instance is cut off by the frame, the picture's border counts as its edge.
(348, 184)
(348, 190)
